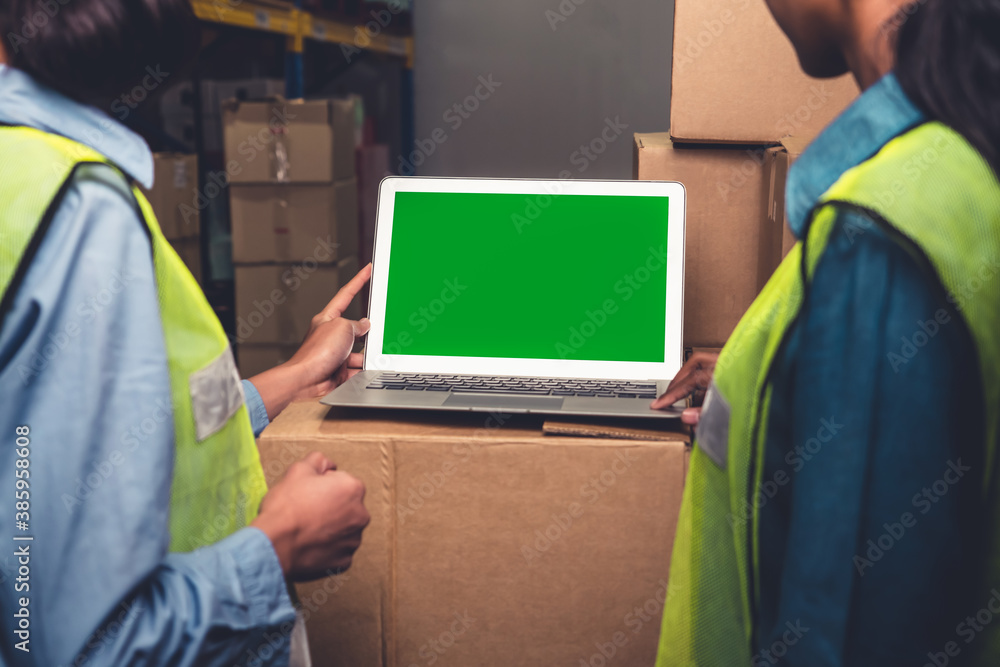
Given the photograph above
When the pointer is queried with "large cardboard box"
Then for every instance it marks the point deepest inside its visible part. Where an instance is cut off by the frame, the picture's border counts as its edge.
(736, 78)
(275, 303)
(289, 141)
(174, 196)
(727, 227)
(287, 223)
(490, 543)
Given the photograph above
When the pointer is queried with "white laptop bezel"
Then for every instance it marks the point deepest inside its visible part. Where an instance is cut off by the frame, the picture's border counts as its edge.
(556, 368)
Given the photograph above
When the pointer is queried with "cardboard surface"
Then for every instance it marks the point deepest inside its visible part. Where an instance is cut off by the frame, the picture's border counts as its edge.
(784, 158)
(489, 544)
(174, 195)
(726, 226)
(254, 359)
(275, 303)
(288, 141)
(293, 223)
(619, 429)
(736, 78)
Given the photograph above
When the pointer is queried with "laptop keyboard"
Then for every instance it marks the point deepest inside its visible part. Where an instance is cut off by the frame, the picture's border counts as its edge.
(514, 385)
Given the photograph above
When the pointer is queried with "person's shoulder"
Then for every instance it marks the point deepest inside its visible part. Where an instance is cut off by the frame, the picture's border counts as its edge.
(99, 202)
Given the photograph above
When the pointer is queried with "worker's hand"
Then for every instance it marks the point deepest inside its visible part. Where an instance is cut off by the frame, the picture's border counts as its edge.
(314, 517)
(324, 360)
(692, 380)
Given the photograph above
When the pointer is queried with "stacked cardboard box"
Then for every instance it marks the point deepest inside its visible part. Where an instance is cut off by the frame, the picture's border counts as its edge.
(740, 109)
(174, 199)
(294, 212)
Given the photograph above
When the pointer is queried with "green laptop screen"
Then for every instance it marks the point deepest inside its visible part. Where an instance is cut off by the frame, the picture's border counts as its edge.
(578, 277)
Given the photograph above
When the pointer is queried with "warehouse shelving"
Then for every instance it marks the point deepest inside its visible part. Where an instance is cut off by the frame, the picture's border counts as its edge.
(299, 25)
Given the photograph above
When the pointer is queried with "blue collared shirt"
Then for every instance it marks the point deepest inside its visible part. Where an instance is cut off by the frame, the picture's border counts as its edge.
(83, 366)
(857, 565)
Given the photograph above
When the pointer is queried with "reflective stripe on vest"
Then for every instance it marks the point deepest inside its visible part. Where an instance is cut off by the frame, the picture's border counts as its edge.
(218, 481)
(931, 192)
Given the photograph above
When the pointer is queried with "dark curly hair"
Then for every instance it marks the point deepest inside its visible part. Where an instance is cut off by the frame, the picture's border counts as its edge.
(98, 50)
(948, 63)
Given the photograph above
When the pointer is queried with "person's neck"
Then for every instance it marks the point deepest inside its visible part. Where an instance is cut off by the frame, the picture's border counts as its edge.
(870, 49)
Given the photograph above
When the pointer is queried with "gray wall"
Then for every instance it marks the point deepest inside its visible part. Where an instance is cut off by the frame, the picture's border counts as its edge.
(605, 66)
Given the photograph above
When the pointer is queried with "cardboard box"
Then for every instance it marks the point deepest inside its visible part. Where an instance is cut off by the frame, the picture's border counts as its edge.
(736, 78)
(490, 543)
(174, 196)
(726, 229)
(289, 223)
(254, 359)
(289, 141)
(783, 158)
(275, 303)
(189, 250)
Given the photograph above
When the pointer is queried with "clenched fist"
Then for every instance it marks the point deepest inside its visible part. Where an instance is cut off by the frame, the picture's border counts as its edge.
(314, 517)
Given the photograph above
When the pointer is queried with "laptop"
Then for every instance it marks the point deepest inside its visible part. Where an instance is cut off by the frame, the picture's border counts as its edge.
(523, 296)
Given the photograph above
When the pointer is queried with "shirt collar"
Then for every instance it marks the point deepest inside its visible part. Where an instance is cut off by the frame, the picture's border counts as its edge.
(24, 101)
(881, 113)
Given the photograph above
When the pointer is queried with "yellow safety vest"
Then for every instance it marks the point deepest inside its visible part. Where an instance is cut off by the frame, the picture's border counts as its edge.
(936, 196)
(218, 481)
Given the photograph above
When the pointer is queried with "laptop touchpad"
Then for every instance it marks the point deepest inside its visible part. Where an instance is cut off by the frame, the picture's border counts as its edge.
(501, 401)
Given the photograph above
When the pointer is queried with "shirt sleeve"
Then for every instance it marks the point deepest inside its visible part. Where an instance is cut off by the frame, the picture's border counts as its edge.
(83, 366)
(865, 556)
(256, 408)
